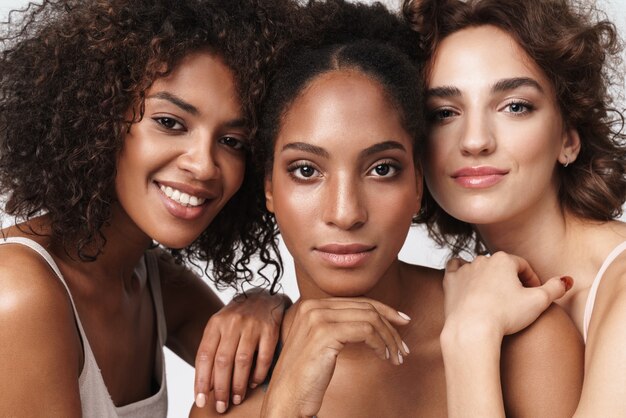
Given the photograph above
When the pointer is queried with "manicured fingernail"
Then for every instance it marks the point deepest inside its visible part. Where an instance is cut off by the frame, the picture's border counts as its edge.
(253, 385)
(200, 400)
(568, 282)
(220, 407)
(237, 399)
(386, 353)
(406, 347)
(400, 359)
(404, 316)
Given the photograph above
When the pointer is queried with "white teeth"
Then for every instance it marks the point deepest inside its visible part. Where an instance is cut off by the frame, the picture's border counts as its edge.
(182, 198)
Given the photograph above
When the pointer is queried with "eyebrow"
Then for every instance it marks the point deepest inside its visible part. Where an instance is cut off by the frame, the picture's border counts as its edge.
(382, 146)
(303, 146)
(175, 100)
(513, 83)
(374, 149)
(505, 84)
(189, 108)
(444, 91)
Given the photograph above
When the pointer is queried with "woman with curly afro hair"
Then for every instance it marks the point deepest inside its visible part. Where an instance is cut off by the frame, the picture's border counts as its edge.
(126, 134)
(526, 155)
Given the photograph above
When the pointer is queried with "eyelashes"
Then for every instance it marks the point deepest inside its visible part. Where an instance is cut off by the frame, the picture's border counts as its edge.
(306, 171)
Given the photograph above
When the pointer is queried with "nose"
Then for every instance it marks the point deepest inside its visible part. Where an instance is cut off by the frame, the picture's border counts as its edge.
(198, 158)
(344, 208)
(477, 137)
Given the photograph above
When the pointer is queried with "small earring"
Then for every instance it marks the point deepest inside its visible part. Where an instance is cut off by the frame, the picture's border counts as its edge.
(566, 161)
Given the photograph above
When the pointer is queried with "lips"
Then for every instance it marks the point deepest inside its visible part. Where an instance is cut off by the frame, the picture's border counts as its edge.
(344, 255)
(183, 201)
(479, 177)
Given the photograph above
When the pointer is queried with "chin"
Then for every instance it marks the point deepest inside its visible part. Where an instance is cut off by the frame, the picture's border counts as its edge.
(346, 287)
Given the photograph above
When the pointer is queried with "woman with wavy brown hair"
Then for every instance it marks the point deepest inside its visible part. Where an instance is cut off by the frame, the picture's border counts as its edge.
(126, 127)
(527, 156)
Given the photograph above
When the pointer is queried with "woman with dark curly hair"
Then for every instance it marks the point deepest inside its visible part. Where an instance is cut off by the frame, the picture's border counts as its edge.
(525, 156)
(342, 128)
(125, 123)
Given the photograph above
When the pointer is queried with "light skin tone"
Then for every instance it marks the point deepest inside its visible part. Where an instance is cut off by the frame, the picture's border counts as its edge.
(343, 166)
(496, 145)
(192, 142)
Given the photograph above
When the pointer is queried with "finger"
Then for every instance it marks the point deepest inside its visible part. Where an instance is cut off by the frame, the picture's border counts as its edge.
(264, 358)
(242, 365)
(394, 316)
(526, 274)
(362, 332)
(204, 367)
(454, 264)
(554, 289)
(223, 370)
(383, 329)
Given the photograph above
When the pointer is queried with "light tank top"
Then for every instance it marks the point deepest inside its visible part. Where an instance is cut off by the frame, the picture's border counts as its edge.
(593, 290)
(94, 396)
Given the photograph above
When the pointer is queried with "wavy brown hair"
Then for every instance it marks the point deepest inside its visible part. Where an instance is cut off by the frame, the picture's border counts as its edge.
(71, 70)
(578, 49)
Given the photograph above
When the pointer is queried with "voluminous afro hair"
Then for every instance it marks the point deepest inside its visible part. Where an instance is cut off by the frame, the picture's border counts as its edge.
(578, 50)
(70, 72)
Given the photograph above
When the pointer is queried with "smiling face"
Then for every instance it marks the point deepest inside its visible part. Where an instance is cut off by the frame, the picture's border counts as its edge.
(186, 158)
(496, 133)
(343, 186)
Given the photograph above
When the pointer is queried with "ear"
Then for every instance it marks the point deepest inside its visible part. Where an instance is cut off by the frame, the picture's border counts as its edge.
(269, 193)
(570, 146)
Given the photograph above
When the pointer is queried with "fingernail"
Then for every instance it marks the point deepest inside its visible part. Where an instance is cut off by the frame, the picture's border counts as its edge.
(386, 353)
(237, 399)
(404, 316)
(253, 385)
(200, 400)
(400, 359)
(406, 347)
(220, 407)
(568, 282)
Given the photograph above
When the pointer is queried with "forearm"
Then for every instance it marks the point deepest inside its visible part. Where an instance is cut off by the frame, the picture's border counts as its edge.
(472, 368)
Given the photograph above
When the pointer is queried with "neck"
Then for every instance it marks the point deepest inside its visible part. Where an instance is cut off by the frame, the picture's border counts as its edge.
(119, 255)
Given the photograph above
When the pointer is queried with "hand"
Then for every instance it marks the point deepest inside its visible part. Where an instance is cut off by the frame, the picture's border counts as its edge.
(319, 332)
(502, 291)
(248, 324)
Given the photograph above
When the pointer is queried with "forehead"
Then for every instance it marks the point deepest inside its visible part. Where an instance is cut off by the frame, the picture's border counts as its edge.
(342, 100)
(481, 55)
(202, 78)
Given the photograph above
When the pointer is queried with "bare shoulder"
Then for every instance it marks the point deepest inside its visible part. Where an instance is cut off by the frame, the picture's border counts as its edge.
(41, 351)
(542, 363)
(251, 406)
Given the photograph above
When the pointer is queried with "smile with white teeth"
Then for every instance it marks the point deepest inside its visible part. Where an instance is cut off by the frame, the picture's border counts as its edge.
(181, 198)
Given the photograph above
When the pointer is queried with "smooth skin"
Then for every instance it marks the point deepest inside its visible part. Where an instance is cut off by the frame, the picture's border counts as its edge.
(492, 106)
(189, 140)
(344, 167)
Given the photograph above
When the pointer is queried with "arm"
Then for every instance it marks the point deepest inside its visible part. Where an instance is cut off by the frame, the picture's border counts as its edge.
(319, 331)
(225, 341)
(604, 388)
(40, 352)
(484, 302)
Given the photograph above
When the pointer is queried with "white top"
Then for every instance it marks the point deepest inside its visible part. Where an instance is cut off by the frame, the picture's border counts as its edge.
(593, 290)
(94, 396)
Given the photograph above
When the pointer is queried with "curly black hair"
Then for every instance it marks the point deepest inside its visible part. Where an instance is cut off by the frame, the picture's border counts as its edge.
(70, 71)
(578, 50)
(337, 34)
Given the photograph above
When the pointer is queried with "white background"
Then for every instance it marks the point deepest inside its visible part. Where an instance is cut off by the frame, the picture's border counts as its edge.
(418, 249)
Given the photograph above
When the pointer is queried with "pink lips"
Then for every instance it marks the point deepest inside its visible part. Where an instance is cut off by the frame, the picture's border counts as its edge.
(478, 177)
(344, 255)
